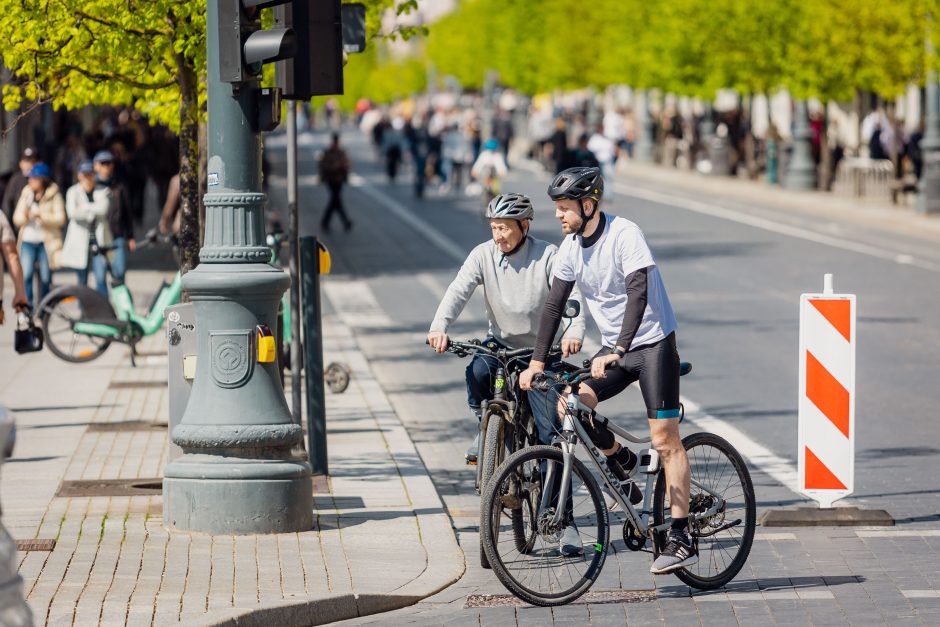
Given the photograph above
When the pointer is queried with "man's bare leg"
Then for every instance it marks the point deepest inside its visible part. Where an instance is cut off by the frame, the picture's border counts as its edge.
(668, 444)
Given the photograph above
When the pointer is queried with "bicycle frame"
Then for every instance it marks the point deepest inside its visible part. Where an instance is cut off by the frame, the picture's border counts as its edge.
(574, 434)
(124, 309)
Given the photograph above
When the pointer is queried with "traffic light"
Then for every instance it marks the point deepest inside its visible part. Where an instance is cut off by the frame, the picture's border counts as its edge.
(243, 46)
(317, 67)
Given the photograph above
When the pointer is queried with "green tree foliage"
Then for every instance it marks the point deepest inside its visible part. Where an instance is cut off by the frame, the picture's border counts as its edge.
(149, 54)
(824, 48)
(840, 46)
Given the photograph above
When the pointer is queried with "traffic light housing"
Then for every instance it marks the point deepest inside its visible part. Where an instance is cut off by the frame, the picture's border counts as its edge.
(317, 67)
(243, 46)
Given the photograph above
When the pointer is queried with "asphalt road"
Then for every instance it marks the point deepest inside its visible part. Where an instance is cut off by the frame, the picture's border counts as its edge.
(734, 272)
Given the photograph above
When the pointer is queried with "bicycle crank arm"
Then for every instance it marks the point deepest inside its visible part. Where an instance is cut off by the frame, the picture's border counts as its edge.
(727, 525)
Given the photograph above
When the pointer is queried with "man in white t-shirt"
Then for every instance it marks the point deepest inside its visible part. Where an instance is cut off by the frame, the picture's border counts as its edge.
(608, 259)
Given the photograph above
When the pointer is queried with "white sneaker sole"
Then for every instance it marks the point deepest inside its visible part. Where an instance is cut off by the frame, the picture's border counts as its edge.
(689, 561)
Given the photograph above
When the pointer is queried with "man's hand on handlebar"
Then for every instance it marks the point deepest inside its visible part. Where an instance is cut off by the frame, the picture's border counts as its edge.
(600, 365)
(526, 376)
(570, 347)
(438, 341)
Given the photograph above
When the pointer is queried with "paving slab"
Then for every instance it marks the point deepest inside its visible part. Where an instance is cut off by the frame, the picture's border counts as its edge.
(115, 564)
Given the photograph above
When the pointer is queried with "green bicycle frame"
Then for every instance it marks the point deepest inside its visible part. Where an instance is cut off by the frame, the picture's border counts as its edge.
(123, 304)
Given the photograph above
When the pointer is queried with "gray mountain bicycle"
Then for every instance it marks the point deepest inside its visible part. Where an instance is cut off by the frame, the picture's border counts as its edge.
(539, 491)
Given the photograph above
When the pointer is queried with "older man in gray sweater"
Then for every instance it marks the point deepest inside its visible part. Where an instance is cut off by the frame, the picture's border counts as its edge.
(515, 271)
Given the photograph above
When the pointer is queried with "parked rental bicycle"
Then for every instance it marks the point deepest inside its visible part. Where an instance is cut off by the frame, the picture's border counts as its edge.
(540, 490)
(80, 324)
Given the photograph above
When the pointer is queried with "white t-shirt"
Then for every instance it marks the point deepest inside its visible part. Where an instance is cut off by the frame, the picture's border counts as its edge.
(600, 272)
(602, 148)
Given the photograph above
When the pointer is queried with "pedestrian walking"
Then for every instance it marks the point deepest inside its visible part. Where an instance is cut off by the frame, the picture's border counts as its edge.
(119, 216)
(86, 205)
(17, 182)
(392, 139)
(40, 216)
(15, 268)
(605, 151)
(171, 216)
(419, 143)
(334, 172)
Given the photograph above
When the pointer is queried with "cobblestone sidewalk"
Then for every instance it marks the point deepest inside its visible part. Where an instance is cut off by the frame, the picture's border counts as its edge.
(381, 540)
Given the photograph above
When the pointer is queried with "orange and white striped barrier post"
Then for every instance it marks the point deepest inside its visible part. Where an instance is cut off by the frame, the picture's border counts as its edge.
(827, 395)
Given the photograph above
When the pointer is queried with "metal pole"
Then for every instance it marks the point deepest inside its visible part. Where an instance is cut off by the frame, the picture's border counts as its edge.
(645, 149)
(292, 234)
(928, 188)
(237, 474)
(313, 356)
(801, 173)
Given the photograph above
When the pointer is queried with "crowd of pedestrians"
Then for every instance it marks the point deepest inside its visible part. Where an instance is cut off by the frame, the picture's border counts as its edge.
(85, 187)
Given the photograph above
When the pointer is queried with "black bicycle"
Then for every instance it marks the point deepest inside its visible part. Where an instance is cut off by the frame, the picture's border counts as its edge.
(539, 491)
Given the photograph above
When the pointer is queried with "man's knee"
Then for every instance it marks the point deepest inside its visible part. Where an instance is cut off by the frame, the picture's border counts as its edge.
(665, 438)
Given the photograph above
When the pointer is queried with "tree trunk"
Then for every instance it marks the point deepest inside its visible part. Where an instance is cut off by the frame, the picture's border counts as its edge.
(189, 235)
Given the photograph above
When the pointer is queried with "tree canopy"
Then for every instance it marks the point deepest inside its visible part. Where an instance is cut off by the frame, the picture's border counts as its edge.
(826, 48)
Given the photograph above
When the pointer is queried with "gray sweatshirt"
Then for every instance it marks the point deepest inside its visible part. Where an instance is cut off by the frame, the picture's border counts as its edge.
(514, 288)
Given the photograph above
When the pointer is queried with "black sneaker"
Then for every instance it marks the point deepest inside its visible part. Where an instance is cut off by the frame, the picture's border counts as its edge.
(678, 553)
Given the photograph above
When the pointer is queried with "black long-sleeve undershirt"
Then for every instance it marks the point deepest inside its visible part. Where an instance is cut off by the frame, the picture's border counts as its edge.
(636, 305)
(551, 315)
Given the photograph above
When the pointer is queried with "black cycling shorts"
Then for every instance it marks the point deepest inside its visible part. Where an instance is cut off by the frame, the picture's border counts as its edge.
(655, 366)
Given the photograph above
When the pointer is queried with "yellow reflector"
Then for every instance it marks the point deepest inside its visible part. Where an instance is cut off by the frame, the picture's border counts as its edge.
(85, 353)
(68, 299)
(325, 260)
(267, 348)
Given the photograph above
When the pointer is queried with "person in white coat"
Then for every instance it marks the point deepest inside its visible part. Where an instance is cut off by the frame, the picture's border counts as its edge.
(87, 207)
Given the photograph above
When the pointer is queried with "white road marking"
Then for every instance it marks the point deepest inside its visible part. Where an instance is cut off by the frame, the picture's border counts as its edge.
(742, 217)
(774, 227)
(774, 536)
(921, 594)
(444, 243)
(780, 469)
(897, 533)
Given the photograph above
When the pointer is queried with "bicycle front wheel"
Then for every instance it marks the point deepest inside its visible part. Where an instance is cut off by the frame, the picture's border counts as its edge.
(721, 511)
(528, 558)
(493, 454)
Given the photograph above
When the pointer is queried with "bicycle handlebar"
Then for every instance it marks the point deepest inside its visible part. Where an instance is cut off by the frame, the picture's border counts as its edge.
(462, 349)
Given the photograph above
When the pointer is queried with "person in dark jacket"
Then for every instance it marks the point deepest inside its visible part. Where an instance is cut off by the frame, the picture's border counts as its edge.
(334, 172)
(17, 182)
(119, 216)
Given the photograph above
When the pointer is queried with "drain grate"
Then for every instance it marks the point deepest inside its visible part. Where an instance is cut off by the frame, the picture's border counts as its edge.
(127, 425)
(121, 385)
(35, 544)
(111, 487)
(594, 598)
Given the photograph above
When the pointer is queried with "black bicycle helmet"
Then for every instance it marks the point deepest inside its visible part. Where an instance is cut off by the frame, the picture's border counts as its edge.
(577, 184)
(511, 207)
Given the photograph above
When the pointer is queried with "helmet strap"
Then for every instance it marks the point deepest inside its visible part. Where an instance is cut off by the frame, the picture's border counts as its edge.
(584, 218)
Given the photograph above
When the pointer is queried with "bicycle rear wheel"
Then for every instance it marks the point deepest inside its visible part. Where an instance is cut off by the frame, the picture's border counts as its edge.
(66, 344)
(530, 565)
(724, 538)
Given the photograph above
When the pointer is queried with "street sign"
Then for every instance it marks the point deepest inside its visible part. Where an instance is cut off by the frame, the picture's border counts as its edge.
(826, 440)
